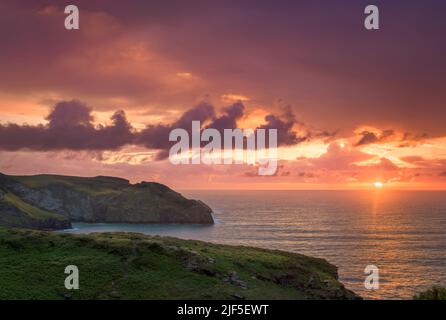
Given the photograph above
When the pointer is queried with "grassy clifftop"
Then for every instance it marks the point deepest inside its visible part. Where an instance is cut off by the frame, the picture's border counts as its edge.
(53, 202)
(96, 186)
(134, 266)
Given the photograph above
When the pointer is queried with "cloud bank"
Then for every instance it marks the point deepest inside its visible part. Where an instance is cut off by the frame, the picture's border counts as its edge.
(71, 127)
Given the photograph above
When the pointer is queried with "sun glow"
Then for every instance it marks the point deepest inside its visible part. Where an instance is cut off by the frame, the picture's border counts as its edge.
(378, 184)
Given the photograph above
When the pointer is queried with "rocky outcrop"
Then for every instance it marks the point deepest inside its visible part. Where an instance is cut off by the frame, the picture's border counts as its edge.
(16, 213)
(102, 199)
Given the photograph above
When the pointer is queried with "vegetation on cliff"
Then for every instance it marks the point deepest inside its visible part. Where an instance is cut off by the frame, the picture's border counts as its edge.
(52, 202)
(16, 213)
(134, 266)
(434, 293)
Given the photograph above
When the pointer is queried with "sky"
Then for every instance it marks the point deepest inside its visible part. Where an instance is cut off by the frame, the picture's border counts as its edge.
(352, 106)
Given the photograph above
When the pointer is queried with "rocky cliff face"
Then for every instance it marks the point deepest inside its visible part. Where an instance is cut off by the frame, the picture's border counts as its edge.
(100, 199)
(16, 213)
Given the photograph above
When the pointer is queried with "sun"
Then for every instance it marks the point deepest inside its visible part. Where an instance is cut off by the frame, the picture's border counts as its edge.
(378, 184)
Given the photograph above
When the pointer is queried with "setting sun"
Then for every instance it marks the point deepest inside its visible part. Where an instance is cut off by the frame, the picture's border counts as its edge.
(378, 184)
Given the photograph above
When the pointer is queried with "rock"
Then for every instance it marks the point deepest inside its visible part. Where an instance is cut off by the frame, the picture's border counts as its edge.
(234, 279)
(196, 262)
(16, 213)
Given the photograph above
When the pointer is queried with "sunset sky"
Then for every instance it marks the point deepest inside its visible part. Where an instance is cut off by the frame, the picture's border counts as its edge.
(352, 107)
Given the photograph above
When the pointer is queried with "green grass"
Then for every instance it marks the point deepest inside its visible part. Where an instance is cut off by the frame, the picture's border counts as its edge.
(32, 211)
(134, 266)
(96, 186)
(434, 293)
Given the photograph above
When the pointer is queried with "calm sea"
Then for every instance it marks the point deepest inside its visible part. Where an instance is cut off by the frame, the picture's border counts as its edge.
(403, 233)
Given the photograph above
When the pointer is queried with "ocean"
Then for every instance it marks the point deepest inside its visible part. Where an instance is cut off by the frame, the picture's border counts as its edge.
(403, 233)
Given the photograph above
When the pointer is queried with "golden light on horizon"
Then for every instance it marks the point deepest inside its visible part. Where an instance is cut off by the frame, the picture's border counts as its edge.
(378, 185)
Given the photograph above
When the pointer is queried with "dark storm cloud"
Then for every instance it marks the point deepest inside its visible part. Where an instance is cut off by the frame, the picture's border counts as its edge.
(157, 136)
(229, 119)
(70, 113)
(286, 136)
(69, 127)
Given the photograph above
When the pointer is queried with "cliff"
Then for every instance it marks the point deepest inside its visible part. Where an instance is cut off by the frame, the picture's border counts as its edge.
(53, 202)
(134, 266)
(16, 213)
